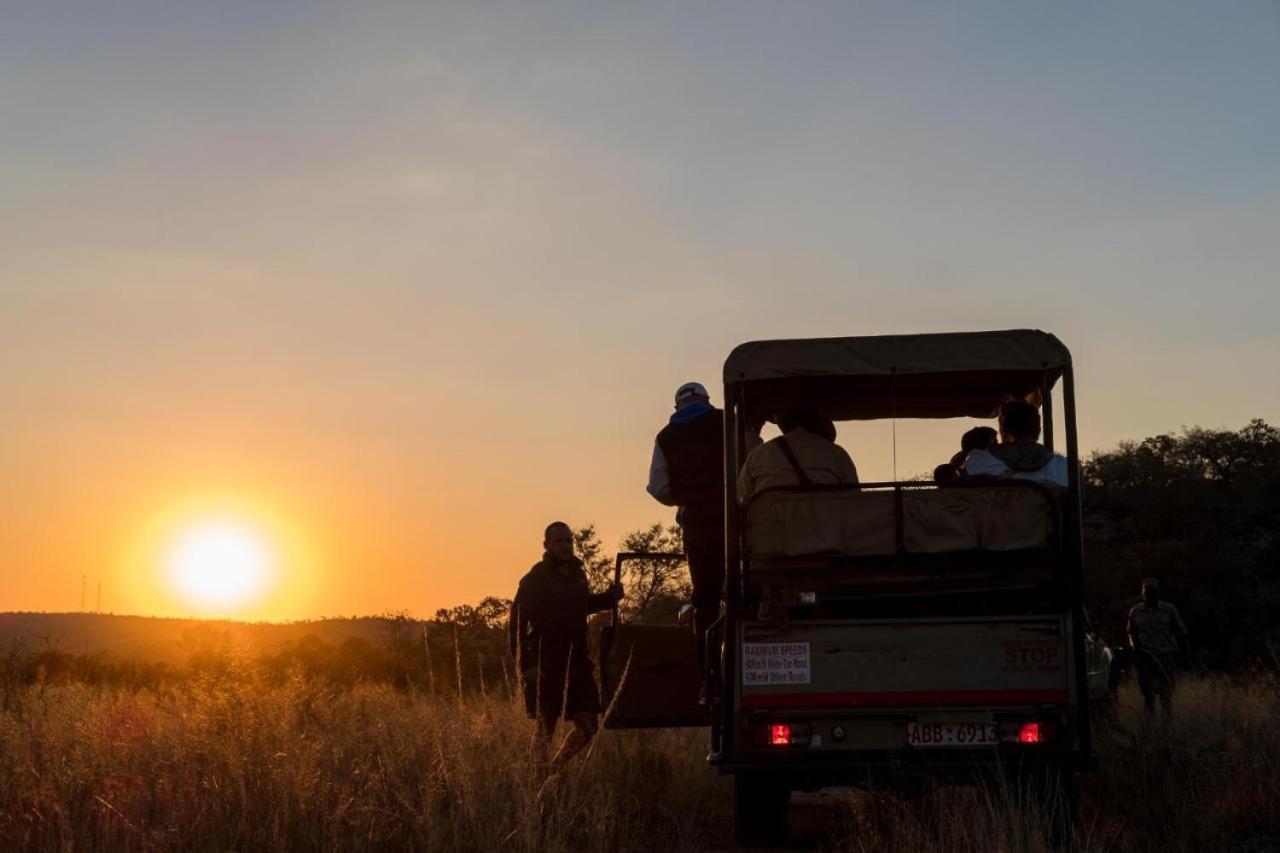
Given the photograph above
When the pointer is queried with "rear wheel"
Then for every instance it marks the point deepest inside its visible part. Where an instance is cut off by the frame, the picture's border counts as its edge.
(760, 804)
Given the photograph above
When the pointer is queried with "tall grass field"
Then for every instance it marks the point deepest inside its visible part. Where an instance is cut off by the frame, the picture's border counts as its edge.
(222, 764)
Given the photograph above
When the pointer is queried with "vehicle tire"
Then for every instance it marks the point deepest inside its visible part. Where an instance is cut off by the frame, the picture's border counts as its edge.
(760, 802)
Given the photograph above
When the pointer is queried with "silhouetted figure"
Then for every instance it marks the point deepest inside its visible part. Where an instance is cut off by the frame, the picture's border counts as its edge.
(978, 438)
(805, 454)
(1019, 455)
(548, 636)
(1157, 636)
(687, 472)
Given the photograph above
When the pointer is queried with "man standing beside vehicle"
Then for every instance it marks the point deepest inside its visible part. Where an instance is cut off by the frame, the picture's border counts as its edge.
(1158, 636)
(687, 471)
(548, 635)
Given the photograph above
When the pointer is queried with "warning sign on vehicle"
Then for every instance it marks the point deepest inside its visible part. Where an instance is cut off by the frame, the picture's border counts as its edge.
(775, 663)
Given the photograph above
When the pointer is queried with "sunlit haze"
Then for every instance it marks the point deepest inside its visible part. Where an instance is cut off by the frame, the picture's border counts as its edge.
(219, 564)
(322, 309)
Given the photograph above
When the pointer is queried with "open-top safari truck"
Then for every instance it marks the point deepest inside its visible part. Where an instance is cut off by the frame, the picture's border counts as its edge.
(885, 630)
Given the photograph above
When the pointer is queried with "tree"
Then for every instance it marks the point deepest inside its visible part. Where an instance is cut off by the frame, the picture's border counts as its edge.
(655, 589)
(1200, 510)
(595, 562)
(209, 649)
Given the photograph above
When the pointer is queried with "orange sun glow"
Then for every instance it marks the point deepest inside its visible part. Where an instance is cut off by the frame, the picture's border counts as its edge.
(218, 563)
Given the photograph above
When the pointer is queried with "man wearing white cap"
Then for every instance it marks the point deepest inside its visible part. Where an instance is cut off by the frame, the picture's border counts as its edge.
(687, 471)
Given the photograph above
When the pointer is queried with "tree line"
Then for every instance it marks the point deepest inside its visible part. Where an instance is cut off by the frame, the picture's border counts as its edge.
(1198, 509)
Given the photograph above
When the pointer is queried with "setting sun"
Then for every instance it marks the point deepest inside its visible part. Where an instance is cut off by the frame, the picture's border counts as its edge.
(219, 563)
(225, 554)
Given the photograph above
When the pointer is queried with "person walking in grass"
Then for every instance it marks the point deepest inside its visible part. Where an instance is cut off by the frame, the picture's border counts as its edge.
(1157, 636)
(548, 637)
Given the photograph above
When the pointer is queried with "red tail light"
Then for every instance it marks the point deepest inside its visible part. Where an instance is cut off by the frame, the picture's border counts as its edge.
(780, 735)
(1029, 733)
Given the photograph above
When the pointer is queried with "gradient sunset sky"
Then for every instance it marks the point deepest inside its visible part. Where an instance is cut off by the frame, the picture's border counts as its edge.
(399, 284)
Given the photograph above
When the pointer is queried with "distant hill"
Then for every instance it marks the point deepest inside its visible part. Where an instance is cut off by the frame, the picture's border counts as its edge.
(1200, 510)
(170, 640)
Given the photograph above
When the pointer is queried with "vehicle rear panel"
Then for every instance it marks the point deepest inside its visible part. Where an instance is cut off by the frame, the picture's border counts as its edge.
(875, 681)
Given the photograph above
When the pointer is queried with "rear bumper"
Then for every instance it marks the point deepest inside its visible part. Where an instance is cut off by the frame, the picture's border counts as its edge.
(809, 769)
(923, 699)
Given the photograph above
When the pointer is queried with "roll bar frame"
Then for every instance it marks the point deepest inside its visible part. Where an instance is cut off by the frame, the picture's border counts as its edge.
(1071, 540)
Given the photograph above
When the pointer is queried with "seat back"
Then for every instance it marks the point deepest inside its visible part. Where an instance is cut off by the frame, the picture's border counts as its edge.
(866, 522)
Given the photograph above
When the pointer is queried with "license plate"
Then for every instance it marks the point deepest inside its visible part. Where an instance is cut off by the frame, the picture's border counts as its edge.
(952, 734)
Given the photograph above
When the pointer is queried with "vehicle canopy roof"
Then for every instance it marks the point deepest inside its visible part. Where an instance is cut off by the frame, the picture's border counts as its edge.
(963, 374)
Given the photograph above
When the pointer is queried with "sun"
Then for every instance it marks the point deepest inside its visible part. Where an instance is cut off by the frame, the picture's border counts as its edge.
(220, 563)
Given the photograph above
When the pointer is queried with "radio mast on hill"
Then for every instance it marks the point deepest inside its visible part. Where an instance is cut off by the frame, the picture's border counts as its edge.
(84, 580)
(98, 609)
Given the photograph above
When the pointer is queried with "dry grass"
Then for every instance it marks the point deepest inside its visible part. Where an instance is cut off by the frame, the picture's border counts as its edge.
(239, 765)
(1206, 782)
(221, 767)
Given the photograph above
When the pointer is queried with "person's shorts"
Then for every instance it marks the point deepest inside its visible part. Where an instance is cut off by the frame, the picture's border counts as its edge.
(1155, 673)
(546, 697)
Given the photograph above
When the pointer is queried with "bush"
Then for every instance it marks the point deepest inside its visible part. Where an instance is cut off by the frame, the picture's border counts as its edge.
(1200, 510)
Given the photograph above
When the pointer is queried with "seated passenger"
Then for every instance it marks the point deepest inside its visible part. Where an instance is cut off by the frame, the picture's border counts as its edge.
(1019, 455)
(978, 438)
(805, 454)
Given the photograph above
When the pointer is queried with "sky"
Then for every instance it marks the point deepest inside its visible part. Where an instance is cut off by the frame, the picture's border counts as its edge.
(395, 285)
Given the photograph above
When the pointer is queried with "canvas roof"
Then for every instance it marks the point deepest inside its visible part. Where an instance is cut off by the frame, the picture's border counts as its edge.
(964, 374)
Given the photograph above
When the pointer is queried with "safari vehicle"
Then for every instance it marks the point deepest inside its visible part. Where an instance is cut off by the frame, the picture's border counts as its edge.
(887, 630)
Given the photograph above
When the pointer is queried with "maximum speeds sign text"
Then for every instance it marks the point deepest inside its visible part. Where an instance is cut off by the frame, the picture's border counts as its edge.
(775, 663)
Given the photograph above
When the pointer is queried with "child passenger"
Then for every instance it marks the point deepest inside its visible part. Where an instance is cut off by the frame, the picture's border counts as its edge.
(978, 438)
(1019, 455)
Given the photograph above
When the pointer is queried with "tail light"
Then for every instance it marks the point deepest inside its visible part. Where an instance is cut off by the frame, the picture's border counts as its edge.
(1029, 732)
(782, 734)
